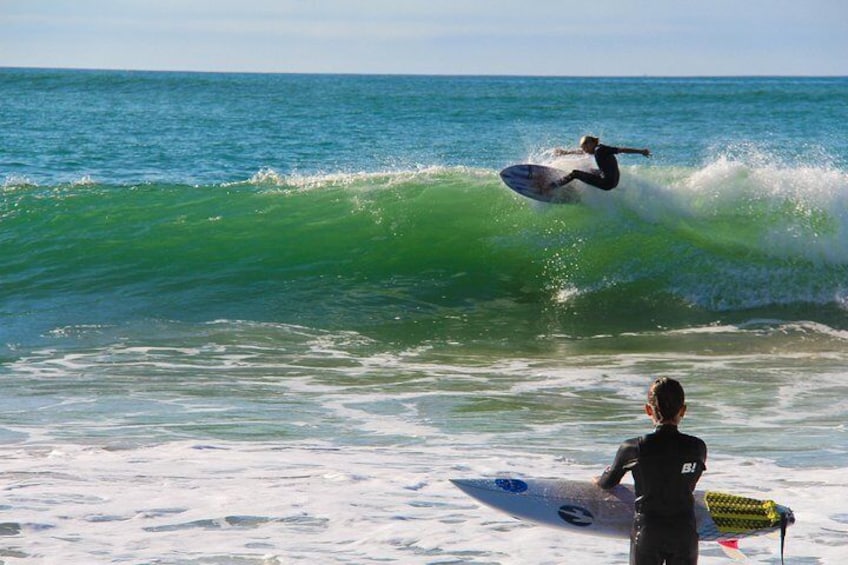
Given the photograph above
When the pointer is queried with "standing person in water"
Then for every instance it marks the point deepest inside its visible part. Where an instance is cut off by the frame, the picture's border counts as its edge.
(607, 176)
(666, 465)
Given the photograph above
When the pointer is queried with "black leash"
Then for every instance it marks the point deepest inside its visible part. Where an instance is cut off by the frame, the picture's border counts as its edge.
(784, 523)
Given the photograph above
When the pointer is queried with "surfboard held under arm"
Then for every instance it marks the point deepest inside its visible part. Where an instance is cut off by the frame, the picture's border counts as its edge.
(583, 507)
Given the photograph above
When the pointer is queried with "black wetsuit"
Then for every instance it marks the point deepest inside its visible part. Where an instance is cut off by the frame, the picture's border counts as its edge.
(666, 465)
(608, 177)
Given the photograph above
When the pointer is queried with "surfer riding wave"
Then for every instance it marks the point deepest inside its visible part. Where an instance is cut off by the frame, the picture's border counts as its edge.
(607, 175)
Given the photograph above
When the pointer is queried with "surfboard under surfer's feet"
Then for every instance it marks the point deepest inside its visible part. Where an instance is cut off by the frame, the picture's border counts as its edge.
(558, 183)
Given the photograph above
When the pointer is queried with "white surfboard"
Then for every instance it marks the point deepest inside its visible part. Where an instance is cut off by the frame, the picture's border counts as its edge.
(583, 507)
(539, 183)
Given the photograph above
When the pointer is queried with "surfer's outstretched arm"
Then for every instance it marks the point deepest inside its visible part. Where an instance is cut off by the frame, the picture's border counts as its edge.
(560, 151)
(645, 152)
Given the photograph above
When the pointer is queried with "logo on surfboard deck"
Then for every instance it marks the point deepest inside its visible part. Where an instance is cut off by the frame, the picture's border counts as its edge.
(511, 485)
(576, 515)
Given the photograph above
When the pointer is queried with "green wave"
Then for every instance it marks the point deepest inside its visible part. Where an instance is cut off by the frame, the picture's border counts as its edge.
(436, 250)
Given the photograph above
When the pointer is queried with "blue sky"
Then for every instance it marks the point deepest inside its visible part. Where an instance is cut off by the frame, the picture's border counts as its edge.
(502, 37)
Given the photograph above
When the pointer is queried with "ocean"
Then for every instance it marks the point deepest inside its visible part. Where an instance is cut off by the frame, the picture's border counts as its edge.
(262, 319)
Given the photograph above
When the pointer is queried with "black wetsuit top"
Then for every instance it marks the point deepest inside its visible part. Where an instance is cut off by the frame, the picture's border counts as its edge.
(609, 174)
(666, 466)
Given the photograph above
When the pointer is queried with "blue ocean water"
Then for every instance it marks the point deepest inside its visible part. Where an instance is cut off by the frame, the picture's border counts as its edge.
(253, 284)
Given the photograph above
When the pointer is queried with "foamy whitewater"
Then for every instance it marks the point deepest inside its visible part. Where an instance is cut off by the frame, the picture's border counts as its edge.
(263, 319)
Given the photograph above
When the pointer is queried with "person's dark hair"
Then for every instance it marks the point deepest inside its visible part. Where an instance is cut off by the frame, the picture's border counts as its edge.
(666, 397)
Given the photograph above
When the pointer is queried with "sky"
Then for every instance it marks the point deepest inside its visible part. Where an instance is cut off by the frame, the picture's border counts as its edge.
(444, 37)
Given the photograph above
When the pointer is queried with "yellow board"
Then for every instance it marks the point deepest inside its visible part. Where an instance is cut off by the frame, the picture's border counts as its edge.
(738, 515)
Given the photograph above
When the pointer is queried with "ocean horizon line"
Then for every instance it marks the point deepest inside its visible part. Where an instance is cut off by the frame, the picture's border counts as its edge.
(420, 74)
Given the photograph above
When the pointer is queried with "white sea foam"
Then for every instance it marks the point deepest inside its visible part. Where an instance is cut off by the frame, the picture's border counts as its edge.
(800, 209)
(280, 503)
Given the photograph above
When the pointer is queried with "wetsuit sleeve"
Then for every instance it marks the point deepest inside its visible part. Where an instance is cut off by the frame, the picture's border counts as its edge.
(626, 458)
(703, 450)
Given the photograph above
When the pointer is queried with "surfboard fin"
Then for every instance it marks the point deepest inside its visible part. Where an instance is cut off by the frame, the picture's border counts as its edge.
(730, 548)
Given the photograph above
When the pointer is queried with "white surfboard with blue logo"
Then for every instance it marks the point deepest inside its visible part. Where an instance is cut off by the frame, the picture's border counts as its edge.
(583, 507)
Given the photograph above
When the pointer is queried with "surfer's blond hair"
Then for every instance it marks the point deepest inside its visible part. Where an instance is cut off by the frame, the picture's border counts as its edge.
(589, 139)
